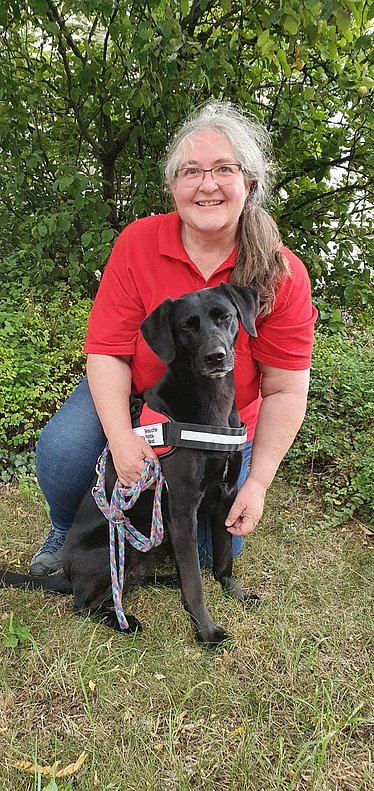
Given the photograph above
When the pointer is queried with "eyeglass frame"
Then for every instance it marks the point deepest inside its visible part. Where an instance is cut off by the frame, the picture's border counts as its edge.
(210, 170)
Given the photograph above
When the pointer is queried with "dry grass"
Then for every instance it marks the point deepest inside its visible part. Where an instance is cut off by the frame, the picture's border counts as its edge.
(288, 706)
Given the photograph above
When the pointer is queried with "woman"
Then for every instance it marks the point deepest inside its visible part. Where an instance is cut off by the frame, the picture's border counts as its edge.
(218, 175)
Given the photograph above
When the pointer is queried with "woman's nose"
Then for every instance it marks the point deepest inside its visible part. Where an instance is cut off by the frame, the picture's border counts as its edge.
(208, 184)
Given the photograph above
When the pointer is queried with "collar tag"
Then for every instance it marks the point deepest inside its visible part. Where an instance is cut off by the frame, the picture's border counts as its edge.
(153, 434)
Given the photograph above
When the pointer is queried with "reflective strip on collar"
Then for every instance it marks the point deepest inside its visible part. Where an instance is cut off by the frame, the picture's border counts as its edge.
(190, 435)
(203, 436)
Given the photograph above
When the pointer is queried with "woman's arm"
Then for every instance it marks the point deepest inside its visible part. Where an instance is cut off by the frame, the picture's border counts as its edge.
(109, 379)
(281, 415)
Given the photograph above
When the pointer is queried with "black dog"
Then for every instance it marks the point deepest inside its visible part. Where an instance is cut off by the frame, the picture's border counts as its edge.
(195, 337)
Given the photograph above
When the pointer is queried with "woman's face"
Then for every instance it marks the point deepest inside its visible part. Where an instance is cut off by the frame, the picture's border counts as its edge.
(209, 207)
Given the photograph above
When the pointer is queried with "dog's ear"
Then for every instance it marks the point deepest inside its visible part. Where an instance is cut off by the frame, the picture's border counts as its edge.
(247, 303)
(157, 331)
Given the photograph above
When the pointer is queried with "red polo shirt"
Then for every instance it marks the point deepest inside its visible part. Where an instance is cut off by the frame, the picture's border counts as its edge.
(148, 264)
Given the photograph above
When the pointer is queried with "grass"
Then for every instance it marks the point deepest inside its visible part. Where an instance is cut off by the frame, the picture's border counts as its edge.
(288, 706)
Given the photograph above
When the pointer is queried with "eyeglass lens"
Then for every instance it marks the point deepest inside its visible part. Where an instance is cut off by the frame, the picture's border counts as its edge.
(221, 173)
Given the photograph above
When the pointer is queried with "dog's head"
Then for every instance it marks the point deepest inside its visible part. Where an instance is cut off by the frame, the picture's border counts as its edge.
(199, 329)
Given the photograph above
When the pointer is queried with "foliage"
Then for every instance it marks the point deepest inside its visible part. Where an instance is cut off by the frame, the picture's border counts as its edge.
(333, 450)
(15, 633)
(52, 786)
(91, 92)
(41, 361)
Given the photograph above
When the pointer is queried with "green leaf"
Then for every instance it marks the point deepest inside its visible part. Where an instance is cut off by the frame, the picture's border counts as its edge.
(15, 632)
(40, 7)
(79, 201)
(65, 182)
(290, 24)
(263, 38)
(107, 235)
(65, 223)
(282, 58)
(343, 20)
(312, 33)
(52, 786)
(308, 92)
(11, 641)
(86, 239)
(23, 633)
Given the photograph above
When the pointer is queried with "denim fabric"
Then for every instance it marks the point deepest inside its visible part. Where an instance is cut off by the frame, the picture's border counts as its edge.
(204, 536)
(66, 455)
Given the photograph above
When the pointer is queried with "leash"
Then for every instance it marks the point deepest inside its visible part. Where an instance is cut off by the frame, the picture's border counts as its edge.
(120, 527)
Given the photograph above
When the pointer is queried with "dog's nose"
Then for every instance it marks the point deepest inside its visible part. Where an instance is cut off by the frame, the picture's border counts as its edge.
(216, 357)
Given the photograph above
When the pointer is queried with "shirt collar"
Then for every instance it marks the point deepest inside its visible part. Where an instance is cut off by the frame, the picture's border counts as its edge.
(170, 243)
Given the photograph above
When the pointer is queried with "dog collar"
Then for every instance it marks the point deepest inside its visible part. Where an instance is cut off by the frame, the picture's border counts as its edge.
(161, 431)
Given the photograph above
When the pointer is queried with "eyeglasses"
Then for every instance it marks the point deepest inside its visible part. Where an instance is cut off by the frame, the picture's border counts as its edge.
(222, 174)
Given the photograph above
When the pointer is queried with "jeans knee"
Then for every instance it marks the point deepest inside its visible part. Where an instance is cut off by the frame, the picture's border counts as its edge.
(58, 453)
(47, 449)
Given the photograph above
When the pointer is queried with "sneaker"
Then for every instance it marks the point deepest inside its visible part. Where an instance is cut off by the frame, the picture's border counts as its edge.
(48, 558)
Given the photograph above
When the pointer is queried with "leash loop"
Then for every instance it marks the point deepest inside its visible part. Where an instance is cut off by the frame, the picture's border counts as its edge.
(120, 527)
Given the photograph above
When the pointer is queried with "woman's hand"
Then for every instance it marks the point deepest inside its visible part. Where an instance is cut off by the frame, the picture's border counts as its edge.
(128, 456)
(246, 510)
(284, 395)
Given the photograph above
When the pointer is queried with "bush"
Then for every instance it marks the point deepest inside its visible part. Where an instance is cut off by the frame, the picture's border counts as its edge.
(40, 363)
(333, 451)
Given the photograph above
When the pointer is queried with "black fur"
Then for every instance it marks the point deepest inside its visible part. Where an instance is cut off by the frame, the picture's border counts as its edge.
(195, 337)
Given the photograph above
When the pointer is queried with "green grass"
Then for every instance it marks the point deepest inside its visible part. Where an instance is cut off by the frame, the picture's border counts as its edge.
(288, 706)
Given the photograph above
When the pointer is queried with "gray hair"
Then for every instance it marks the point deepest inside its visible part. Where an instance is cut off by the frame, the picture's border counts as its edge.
(248, 138)
(259, 261)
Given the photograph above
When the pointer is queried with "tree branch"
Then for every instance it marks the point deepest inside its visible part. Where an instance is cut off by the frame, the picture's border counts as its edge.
(309, 168)
(190, 21)
(93, 29)
(323, 195)
(54, 16)
(205, 34)
(115, 149)
(96, 147)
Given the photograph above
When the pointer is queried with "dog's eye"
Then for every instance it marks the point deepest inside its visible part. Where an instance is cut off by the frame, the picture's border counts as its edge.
(191, 324)
(221, 318)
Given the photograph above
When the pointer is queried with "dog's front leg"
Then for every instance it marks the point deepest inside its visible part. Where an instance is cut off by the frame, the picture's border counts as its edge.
(222, 555)
(183, 536)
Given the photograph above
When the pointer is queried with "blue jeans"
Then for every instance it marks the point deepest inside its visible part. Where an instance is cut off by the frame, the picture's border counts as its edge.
(66, 455)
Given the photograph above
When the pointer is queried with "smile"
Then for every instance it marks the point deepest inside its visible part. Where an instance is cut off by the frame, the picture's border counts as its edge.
(209, 202)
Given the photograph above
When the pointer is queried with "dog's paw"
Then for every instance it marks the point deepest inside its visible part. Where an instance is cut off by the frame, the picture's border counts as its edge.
(212, 638)
(232, 588)
(134, 624)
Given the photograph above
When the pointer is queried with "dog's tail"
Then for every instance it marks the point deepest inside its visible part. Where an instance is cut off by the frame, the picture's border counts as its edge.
(55, 582)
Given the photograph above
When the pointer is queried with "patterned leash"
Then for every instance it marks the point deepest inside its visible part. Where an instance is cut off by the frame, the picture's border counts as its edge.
(120, 527)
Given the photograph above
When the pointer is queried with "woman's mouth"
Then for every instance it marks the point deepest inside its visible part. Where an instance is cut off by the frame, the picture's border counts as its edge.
(208, 202)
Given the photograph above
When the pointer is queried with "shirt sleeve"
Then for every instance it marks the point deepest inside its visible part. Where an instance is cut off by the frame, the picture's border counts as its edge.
(285, 336)
(118, 309)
